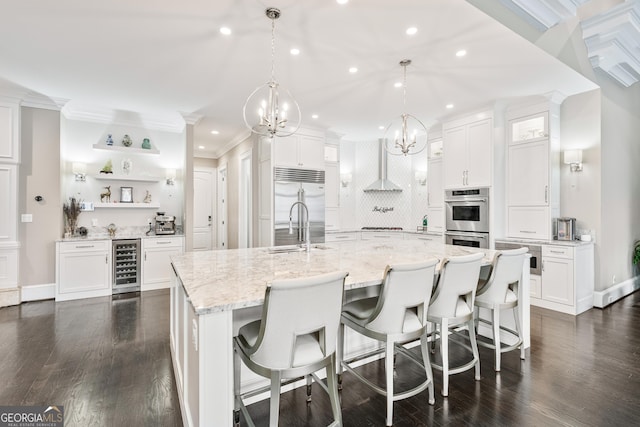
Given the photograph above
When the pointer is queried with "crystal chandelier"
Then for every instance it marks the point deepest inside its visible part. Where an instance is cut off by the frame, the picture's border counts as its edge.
(408, 133)
(278, 114)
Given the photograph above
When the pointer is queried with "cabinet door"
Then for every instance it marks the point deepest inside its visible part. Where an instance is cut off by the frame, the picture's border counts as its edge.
(83, 271)
(436, 220)
(332, 185)
(557, 280)
(310, 152)
(285, 151)
(479, 153)
(528, 223)
(156, 267)
(455, 157)
(535, 289)
(435, 195)
(331, 219)
(528, 174)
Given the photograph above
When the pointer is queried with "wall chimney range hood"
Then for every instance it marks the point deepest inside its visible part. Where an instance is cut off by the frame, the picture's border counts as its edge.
(382, 184)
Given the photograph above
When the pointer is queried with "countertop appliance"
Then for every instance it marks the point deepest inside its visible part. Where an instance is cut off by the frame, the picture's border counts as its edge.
(298, 185)
(564, 228)
(467, 217)
(535, 262)
(126, 265)
(165, 224)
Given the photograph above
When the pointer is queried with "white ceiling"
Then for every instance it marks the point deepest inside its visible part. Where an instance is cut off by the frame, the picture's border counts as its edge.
(163, 57)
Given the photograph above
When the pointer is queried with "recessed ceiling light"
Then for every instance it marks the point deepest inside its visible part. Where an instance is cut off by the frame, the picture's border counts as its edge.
(381, 127)
(461, 53)
(342, 1)
(449, 106)
(397, 84)
(353, 70)
(314, 116)
(411, 31)
(201, 147)
(225, 30)
(295, 51)
(215, 132)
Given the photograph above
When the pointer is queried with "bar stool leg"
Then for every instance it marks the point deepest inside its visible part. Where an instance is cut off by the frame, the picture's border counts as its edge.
(340, 354)
(474, 348)
(309, 383)
(236, 388)
(389, 374)
(332, 385)
(496, 336)
(516, 316)
(427, 366)
(444, 349)
(274, 409)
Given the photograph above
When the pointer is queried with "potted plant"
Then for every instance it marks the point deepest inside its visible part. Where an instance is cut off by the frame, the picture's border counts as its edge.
(636, 253)
(71, 212)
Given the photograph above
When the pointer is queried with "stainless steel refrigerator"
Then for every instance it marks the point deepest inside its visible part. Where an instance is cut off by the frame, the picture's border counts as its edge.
(298, 185)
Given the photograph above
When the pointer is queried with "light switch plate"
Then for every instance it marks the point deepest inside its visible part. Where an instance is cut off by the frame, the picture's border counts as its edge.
(27, 218)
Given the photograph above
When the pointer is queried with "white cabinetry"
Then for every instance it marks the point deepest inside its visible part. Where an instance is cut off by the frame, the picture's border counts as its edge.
(468, 152)
(299, 151)
(83, 269)
(332, 188)
(533, 175)
(347, 236)
(156, 261)
(435, 196)
(9, 132)
(567, 281)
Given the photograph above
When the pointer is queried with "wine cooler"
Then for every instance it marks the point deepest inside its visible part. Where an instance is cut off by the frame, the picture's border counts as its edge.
(126, 266)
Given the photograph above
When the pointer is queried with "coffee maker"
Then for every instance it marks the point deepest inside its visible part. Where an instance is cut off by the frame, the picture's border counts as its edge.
(564, 229)
(165, 224)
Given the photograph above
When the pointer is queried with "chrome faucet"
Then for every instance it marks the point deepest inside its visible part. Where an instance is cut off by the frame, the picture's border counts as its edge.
(306, 226)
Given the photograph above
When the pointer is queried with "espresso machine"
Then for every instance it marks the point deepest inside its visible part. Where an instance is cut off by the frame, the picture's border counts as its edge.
(165, 224)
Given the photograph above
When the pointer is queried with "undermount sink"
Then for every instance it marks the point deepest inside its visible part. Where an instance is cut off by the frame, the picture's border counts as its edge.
(293, 248)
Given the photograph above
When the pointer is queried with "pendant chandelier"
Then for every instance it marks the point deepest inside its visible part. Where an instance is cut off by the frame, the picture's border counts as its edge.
(271, 110)
(406, 135)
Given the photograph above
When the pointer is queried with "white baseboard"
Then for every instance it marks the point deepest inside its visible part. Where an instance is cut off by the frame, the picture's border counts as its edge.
(9, 296)
(602, 299)
(38, 292)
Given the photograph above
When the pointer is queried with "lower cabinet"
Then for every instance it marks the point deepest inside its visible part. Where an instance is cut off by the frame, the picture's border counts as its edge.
(567, 281)
(83, 269)
(156, 261)
(345, 236)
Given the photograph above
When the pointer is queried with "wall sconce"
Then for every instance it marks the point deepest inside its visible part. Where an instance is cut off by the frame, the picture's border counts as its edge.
(345, 179)
(171, 176)
(80, 171)
(574, 159)
(421, 177)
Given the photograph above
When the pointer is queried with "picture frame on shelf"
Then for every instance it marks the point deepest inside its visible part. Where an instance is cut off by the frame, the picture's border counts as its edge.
(126, 194)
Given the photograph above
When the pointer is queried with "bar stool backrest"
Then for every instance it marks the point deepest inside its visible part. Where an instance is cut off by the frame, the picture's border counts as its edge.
(457, 286)
(506, 271)
(298, 307)
(404, 287)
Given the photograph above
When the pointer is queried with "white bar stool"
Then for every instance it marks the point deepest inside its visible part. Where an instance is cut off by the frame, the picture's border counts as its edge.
(296, 337)
(398, 315)
(452, 306)
(500, 293)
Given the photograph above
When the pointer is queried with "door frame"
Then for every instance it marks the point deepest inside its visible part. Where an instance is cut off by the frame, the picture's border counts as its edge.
(222, 206)
(245, 204)
(214, 196)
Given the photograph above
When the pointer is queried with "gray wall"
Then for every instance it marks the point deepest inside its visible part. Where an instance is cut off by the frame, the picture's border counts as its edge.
(39, 175)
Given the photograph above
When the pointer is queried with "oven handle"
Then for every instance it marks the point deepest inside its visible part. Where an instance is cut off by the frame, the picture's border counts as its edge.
(463, 234)
(483, 199)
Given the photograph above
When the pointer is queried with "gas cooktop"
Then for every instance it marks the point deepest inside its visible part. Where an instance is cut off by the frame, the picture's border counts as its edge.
(383, 228)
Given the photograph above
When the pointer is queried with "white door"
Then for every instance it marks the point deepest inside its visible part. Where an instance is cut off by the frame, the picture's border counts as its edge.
(222, 207)
(203, 196)
(245, 205)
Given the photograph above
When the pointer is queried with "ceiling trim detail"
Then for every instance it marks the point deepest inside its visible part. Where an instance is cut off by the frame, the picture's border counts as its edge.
(174, 123)
(613, 42)
(544, 14)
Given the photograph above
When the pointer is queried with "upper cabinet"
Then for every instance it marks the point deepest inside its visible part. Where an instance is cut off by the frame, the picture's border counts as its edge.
(9, 135)
(533, 177)
(299, 151)
(468, 152)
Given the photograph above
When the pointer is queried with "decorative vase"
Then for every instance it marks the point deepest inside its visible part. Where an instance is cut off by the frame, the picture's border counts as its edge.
(126, 141)
(109, 140)
(146, 144)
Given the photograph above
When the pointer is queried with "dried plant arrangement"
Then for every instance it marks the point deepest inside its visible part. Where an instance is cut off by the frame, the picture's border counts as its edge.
(71, 212)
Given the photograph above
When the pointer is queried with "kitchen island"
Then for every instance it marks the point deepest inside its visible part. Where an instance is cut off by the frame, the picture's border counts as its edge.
(216, 292)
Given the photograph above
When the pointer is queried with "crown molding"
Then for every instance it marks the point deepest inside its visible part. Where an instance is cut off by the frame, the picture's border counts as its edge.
(191, 119)
(36, 100)
(613, 42)
(167, 123)
(544, 14)
(243, 136)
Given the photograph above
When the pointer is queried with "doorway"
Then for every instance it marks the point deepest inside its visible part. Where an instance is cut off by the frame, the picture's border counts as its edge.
(203, 208)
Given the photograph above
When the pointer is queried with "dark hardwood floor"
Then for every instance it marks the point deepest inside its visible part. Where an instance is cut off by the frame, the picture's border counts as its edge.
(108, 362)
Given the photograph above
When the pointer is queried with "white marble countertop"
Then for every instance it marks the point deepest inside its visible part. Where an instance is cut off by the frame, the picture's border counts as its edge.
(545, 242)
(228, 279)
(105, 236)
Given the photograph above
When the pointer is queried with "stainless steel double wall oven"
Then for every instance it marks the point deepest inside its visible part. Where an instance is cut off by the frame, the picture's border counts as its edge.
(467, 217)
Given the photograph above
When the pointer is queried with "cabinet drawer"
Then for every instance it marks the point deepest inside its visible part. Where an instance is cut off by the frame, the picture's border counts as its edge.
(163, 242)
(426, 237)
(85, 246)
(341, 237)
(557, 251)
(528, 223)
(370, 235)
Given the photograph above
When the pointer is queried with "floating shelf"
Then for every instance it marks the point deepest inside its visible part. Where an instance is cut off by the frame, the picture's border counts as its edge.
(125, 149)
(113, 177)
(127, 205)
